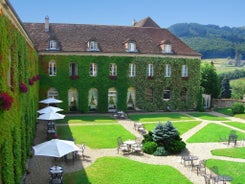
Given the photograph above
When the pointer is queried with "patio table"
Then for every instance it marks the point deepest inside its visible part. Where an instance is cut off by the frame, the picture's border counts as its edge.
(130, 143)
(189, 158)
(224, 178)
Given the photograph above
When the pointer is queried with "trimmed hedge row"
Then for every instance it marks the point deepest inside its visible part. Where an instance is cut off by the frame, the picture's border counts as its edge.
(17, 125)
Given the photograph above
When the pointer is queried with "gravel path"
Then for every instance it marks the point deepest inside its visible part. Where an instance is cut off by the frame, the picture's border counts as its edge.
(39, 166)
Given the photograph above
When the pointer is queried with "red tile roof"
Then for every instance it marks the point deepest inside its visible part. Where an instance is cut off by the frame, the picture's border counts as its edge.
(111, 39)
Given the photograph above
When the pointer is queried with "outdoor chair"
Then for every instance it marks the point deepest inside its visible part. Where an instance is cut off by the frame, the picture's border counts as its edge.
(56, 179)
(214, 174)
(121, 146)
(80, 152)
(200, 167)
(137, 148)
(207, 179)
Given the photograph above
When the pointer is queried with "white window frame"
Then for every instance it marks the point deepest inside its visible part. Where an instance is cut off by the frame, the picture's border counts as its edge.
(184, 71)
(132, 70)
(52, 68)
(167, 70)
(52, 45)
(113, 69)
(132, 47)
(93, 46)
(150, 70)
(93, 69)
(167, 48)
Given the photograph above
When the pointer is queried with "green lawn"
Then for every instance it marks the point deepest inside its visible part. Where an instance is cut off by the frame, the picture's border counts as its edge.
(236, 124)
(226, 111)
(159, 117)
(207, 116)
(212, 133)
(234, 169)
(230, 152)
(95, 136)
(87, 119)
(117, 170)
(182, 127)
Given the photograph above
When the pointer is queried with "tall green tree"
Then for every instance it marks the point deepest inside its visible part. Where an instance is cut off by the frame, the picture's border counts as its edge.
(225, 88)
(209, 80)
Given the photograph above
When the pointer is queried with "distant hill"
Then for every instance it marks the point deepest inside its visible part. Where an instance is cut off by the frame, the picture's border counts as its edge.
(212, 41)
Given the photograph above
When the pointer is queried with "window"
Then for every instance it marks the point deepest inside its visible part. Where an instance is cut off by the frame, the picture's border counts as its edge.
(73, 70)
(166, 94)
(73, 99)
(132, 47)
(113, 69)
(93, 70)
(131, 98)
(167, 70)
(166, 47)
(150, 72)
(184, 71)
(52, 68)
(132, 70)
(93, 99)
(52, 45)
(93, 46)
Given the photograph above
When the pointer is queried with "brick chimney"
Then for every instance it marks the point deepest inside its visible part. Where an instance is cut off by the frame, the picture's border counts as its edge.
(46, 26)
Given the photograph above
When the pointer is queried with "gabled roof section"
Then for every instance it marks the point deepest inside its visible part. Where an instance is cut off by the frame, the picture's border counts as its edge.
(146, 22)
(111, 39)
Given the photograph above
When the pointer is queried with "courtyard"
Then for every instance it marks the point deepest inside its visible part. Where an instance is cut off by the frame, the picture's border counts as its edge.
(201, 132)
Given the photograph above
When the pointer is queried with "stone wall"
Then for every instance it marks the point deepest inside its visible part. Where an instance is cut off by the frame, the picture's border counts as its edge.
(222, 103)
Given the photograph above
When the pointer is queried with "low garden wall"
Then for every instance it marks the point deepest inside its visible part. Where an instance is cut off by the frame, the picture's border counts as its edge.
(225, 102)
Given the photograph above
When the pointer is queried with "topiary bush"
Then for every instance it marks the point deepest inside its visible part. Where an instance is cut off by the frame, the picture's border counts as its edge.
(237, 108)
(149, 147)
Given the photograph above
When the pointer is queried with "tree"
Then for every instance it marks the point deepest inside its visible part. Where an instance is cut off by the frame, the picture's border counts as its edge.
(210, 80)
(163, 134)
(225, 88)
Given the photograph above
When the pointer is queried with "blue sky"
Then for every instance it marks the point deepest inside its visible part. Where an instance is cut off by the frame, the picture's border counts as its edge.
(121, 12)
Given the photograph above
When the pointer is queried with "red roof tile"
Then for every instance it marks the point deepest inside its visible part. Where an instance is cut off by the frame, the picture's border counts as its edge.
(111, 39)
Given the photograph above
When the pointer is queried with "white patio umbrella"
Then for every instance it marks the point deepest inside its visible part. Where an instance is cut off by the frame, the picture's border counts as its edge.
(55, 148)
(49, 109)
(51, 116)
(50, 101)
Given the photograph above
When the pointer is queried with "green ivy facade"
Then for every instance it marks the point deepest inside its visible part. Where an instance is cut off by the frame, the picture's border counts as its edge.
(18, 64)
(102, 82)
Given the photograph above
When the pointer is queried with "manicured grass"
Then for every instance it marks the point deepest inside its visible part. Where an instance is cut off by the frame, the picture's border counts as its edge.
(95, 136)
(207, 116)
(212, 133)
(230, 152)
(87, 119)
(159, 117)
(182, 127)
(236, 124)
(234, 169)
(226, 111)
(117, 170)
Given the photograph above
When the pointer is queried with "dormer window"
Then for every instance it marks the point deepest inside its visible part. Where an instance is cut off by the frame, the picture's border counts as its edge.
(131, 46)
(53, 45)
(93, 46)
(166, 47)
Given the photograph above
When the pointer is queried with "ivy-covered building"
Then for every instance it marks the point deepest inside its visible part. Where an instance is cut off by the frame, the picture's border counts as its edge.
(103, 68)
(19, 89)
